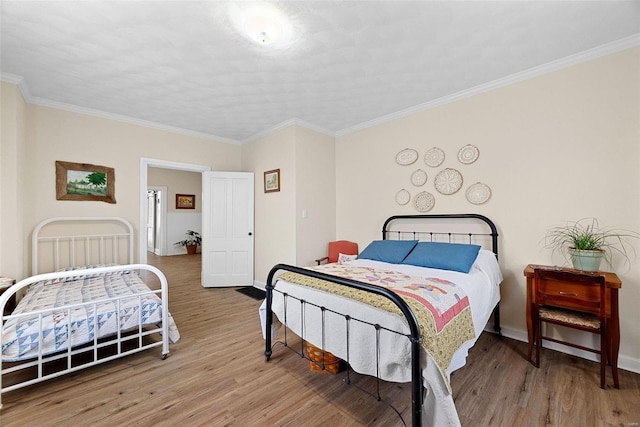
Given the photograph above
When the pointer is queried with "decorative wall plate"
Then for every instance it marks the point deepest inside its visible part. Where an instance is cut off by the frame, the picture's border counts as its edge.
(403, 197)
(424, 201)
(419, 177)
(448, 181)
(478, 193)
(468, 154)
(406, 157)
(434, 157)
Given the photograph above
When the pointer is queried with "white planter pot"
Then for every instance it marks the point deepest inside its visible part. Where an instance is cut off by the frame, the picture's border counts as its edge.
(586, 260)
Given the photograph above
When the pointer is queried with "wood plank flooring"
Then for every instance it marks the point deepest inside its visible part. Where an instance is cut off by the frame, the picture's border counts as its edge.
(217, 376)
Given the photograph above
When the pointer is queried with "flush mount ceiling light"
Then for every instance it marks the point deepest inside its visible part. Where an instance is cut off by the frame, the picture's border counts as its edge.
(262, 23)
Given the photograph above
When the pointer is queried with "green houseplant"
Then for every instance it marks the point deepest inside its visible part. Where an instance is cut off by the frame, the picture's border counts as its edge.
(586, 243)
(192, 241)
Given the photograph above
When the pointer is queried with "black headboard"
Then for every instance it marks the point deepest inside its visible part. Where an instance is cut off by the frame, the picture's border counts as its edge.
(451, 228)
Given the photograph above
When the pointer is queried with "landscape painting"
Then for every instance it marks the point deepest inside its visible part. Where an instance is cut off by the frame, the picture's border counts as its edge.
(83, 181)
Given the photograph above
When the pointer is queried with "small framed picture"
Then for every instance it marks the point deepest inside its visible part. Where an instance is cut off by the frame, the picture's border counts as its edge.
(185, 201)
(272, 181)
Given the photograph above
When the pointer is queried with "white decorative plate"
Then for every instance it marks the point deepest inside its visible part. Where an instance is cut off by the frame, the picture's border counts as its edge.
(478, 193)
(434, 157)
(424, 201)
(468, 154)
(448, 181)
(419, 177)
(406, 157)
(403, 197)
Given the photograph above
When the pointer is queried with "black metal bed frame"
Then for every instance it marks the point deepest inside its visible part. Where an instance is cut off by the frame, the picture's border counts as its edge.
(414, 335)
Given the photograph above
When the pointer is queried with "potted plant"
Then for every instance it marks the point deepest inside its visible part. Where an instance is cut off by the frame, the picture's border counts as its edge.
(586, 243)
(192, 241)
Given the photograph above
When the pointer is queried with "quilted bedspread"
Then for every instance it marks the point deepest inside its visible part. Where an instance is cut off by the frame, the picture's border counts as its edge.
(113, 292)
(440, 306)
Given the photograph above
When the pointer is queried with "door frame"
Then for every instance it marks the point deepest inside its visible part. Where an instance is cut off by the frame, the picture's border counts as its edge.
(161, 232)
(146, 162)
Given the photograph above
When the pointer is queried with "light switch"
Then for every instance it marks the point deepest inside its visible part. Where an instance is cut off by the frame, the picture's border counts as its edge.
(304, 214)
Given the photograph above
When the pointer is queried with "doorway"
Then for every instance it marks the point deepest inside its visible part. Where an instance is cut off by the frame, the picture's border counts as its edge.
(145, 163)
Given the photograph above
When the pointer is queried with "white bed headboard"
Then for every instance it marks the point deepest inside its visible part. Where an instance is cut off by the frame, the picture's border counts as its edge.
(76, 241)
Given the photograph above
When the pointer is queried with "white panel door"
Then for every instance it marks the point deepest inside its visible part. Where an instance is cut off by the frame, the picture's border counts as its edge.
(227, 229)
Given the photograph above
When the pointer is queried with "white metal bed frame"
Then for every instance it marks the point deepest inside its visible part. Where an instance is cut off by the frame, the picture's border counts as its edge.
(80, 247)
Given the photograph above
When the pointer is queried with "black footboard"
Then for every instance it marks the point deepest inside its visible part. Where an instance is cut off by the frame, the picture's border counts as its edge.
(414, 336)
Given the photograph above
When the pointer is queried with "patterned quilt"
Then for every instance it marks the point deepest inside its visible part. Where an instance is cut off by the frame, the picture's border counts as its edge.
(440, 306)
(21, 335)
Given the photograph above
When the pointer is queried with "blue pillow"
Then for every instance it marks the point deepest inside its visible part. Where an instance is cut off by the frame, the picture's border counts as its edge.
(445, 256)
(392, 251)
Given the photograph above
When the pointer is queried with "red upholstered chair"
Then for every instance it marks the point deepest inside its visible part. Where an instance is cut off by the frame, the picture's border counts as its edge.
(339, 247)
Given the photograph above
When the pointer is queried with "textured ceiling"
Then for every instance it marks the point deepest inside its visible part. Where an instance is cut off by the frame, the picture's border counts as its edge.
(181, 64)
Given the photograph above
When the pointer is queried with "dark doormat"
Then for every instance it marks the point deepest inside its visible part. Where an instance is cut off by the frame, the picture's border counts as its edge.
(252, 292)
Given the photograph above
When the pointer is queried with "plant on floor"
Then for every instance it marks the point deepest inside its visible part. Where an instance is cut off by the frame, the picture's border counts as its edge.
(192, 241)
(586, 243)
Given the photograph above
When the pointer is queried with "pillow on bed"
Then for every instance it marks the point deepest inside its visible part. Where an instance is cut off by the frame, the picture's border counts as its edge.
(445, 256)
(342, 258)
(392, 251)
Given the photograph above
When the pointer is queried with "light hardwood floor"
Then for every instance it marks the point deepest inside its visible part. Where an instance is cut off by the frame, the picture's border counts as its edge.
(217, 376)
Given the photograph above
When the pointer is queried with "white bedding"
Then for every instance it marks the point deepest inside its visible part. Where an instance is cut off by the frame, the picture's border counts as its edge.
(481, 285)
(115, 292)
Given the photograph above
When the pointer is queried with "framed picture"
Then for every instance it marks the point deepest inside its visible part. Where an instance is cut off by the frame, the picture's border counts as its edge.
(185, 201)
(82, 181)
(272, 181)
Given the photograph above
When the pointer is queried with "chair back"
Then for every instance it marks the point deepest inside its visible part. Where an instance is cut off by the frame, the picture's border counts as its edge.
(341, 247)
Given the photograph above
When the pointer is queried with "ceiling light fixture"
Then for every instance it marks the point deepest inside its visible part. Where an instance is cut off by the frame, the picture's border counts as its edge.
(262, 23)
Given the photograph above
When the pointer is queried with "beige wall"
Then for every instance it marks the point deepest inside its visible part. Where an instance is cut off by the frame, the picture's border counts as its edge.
(315, 195)
(559, 147)
(275, 214)
(306, 160)
(61, 135)
(13, 174)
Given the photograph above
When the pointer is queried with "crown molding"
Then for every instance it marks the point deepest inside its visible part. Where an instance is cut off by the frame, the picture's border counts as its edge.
(120, 118)
(291, 122)
(20, 82)
(587, 55)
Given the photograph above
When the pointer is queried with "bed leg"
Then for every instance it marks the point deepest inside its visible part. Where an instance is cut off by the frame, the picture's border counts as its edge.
(496, 320)
(165, 355)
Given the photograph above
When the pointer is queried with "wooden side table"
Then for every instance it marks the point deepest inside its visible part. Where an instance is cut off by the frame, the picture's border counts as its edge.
(613, 284)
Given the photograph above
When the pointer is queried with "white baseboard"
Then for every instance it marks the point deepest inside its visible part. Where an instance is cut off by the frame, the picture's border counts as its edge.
(624, 362)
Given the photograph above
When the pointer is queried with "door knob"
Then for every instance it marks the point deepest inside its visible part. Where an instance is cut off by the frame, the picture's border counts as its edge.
(250, 233)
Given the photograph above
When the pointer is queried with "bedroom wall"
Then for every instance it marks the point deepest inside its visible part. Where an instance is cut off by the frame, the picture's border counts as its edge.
(13, 174)
(56, 134)
(275, 215)
(558, 147)
(306, 160)
(316, 197)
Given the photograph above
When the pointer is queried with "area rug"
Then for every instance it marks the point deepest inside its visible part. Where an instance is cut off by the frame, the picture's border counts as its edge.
(252, 292)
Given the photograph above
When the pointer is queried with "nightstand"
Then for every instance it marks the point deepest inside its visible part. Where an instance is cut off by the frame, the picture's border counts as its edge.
(6, 283)
(612, 283)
